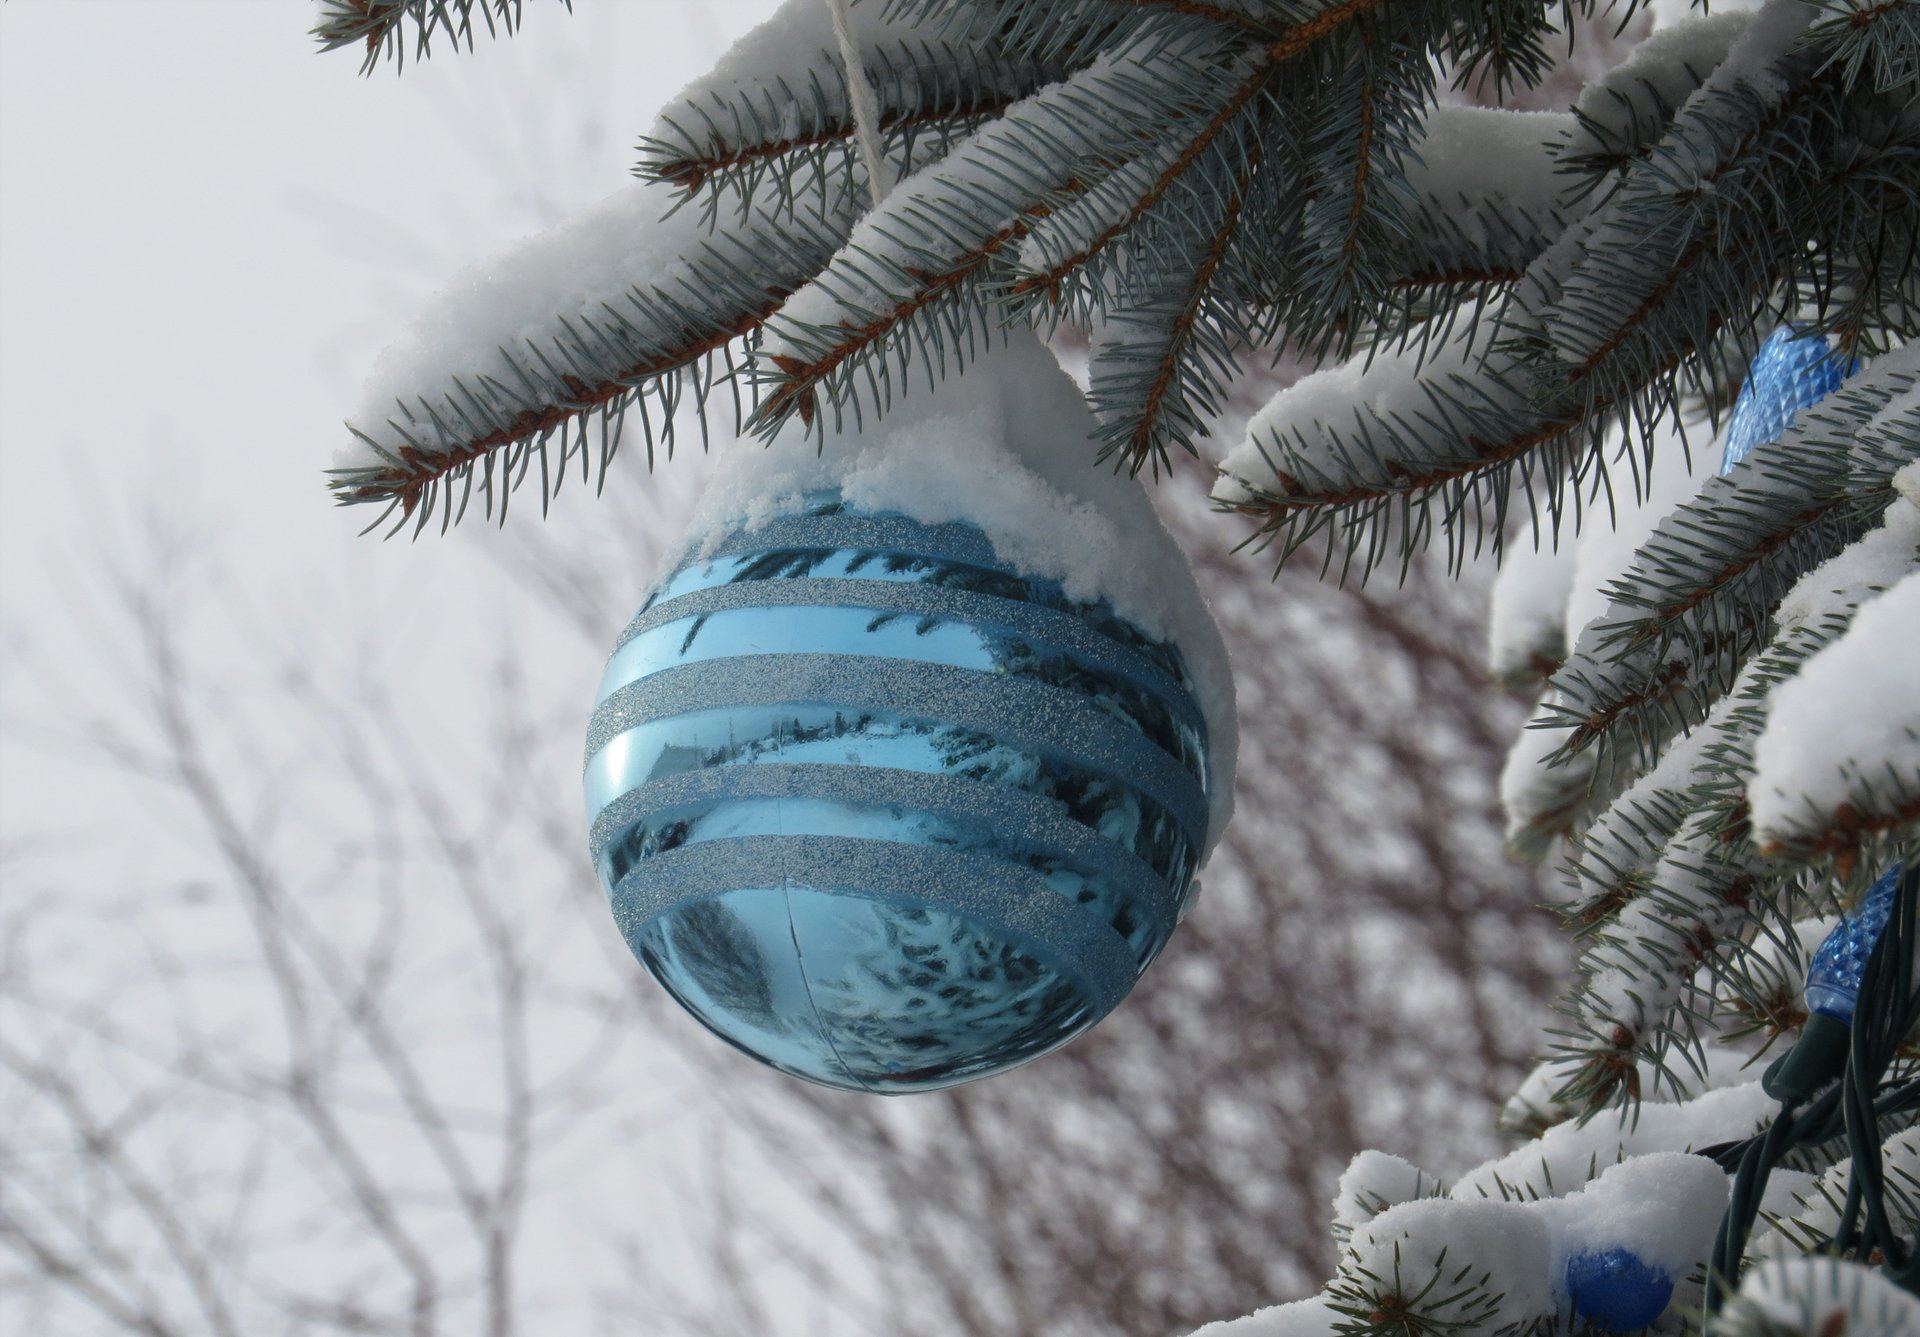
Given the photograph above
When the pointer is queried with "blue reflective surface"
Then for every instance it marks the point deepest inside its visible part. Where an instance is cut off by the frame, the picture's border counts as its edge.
(859, 801)
(860, 993)
(1080, 880)
(1614, 1290)
(836, 736)
(1790, 372)
(888, 634)
(1840, 962)
(912, 568)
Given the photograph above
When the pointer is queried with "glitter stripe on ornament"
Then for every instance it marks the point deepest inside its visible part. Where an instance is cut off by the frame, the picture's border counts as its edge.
(1088, 869)
(985, 635)
(1054, 726)
(1013, 902)
(1012, 610)
(731, 742)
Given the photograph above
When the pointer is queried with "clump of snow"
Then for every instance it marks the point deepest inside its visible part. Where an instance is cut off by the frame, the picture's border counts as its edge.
(1312, 1317)
(1662, 1207)
(1819, 1297)
(1383, 387)
(1845, 730)
(1880, 559)
(513, 302)
(1527, 625)
(1566, 1156)
(1466, 155)
(1619, 525)
(1510, 1244)
(1816, 1211)
(1661, 71)
(1541, 800)
(797, 36)
(1671, 13)
(1488, 151)
(1008, 446)
(1374, 1181)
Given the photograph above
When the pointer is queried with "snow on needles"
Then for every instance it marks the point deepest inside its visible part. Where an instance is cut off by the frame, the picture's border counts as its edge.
(1009, 446)
(1842, 738)
(513, 302)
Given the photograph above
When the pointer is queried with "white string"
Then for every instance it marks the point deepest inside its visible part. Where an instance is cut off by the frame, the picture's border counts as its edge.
(866, 112)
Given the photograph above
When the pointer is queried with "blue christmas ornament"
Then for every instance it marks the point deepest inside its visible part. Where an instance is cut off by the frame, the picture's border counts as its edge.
(1839, 963)
(1615, 1290)
(885, 813)
(1790, 372)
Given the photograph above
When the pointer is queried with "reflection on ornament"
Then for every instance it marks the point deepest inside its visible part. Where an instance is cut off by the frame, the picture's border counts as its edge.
(1839, 963)
(885, 813)
(1614, 1290)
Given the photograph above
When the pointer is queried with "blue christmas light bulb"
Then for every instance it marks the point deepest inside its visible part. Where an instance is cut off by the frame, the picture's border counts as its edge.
(1615, 1290)
(1790, 372)
(1833, 979)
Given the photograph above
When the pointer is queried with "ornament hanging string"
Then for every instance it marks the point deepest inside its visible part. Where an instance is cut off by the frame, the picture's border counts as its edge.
(866, 111)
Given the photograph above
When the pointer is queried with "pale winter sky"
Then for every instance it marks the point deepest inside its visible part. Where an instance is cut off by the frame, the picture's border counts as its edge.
(207, 231)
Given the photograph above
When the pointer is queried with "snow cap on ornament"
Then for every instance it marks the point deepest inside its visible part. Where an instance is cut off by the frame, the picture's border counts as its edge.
(901, 775)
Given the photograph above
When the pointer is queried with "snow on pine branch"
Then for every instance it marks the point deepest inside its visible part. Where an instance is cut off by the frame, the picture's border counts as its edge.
(564, 334)
(1637, 996)
(1369, 450)
(1487, 195)
(777, 101)
(381, 25)
(1696, 599)
(1625, 112)
(1839, 758)
(907, 287)
(1816, 1297)
(1527, 620)
(1612, 323)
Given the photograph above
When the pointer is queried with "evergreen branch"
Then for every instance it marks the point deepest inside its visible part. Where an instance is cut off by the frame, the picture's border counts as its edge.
(1181, 340)
(378, 25)
(1877, 38)
(1303, 37)
(502, 405)
(1699, 597)
(1624, 113)
(1687, 909)
(818, 358)
(719, 136)
(920, 258)
(1048, 279)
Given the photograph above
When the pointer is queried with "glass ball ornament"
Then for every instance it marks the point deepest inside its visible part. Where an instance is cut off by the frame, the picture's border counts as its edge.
(1840, 961)
(882, 811)
(1615, 1290)
(1792, 371)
